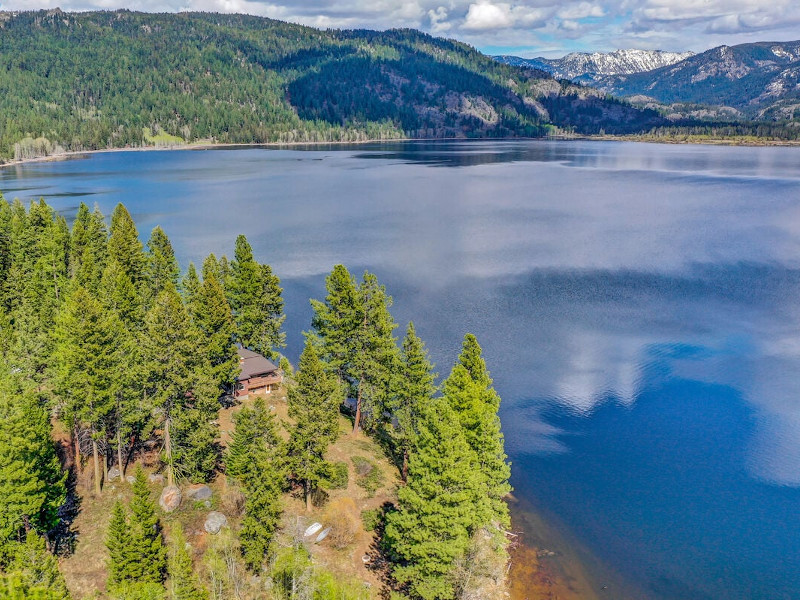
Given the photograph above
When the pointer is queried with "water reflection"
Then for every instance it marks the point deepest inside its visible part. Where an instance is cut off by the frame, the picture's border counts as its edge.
(636, 304)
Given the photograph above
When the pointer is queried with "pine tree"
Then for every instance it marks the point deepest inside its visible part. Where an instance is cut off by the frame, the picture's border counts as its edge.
(5, 253)
(376, 362)
(182, 395)
(124, 245)
(313, 404)
(356, 333)
(415, 389)
(162, 267)
(436, 517)
(337, 322)
(118, 543)
(212, 316)
(183, 583)
(146, 546)
(36, 281)
(211, 267)
(36, 571)
(254, 461)
(190, 288)
(87, 359)
(469, 392)
(255, 297)
(32, 484)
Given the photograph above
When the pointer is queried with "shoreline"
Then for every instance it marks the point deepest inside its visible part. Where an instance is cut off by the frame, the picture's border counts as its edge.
(548, 561)
(589, 138)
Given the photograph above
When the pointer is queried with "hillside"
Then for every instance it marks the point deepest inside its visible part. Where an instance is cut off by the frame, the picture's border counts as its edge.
(76, 81)
(758, 81)
(585, 67)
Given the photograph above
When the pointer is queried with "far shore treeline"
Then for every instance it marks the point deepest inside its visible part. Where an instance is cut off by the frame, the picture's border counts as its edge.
(111, 352)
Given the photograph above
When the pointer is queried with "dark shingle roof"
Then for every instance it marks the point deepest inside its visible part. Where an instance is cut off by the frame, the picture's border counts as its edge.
(253, 364)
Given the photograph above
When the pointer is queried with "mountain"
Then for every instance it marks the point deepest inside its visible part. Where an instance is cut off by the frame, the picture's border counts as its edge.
(758, 80)
(587, 67)
(77, 81)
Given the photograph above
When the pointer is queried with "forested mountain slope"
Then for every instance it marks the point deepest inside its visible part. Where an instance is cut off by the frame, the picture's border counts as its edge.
(92, 80)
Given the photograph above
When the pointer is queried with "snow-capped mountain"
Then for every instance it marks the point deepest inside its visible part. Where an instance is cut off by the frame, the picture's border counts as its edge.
(588, 67)
(760, 79)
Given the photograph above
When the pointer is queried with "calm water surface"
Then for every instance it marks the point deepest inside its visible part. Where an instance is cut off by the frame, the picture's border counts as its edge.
(639, 307)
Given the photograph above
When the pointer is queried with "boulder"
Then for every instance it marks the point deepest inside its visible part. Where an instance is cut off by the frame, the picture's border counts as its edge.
(130, 479)
(170, 498)
(199, 491)
(214, 522)
(155, 478)
(113, 473)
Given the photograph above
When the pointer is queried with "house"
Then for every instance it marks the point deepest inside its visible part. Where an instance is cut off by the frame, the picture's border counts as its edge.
(258, 375)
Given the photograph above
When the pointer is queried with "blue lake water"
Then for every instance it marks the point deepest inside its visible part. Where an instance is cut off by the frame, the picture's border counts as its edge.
(638, 305)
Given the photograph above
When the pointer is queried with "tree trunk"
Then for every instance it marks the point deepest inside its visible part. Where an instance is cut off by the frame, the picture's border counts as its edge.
(105, 467)
(78, 466)
(120, 464)
(95, 455)
(307, 488)
(168, 449)
(357, 421)
(405, 465)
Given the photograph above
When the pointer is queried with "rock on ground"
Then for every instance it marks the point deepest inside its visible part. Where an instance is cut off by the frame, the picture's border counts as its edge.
(170, 498)
(199, 491)
(214, 522)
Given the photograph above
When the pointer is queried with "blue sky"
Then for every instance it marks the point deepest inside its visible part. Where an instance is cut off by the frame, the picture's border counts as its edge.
(524, 27)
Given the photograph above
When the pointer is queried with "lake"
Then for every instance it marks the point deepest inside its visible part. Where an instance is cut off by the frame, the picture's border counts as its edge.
(638, 306)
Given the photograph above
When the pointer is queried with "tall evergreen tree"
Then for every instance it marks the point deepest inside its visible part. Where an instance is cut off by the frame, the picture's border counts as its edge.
(183, 583)
(124, 245)
(376, 362)
(32, 484)
(254, 460)
(87, 358)
(146, 546)
(211, 267)
(190, 288)
(118, 543)
(37, 281)
(313, 404)
(469, 391)
(212, 316)
(356, 333)
(36, 571)
(5, 253)
(255, 297)
(415, 389)
(337, 321)
(436, 513)
(162, 266)
(177, 383)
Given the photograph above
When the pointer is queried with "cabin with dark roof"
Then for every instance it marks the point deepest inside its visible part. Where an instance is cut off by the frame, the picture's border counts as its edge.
(258, 375)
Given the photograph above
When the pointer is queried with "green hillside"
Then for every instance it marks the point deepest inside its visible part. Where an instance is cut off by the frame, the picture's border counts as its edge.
(77, 81)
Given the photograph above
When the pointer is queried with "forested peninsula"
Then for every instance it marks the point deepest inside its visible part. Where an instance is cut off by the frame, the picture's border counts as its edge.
(100, 80)
(135, 463)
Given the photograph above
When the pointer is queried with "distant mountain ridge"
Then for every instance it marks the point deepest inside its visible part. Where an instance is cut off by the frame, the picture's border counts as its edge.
(761, 80)
(585, 67)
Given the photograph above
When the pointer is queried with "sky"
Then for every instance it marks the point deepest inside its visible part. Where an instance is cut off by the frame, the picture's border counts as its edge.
(527, 28)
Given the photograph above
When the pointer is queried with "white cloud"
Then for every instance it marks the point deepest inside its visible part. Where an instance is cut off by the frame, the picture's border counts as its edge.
(485, 15)
(544, 24)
